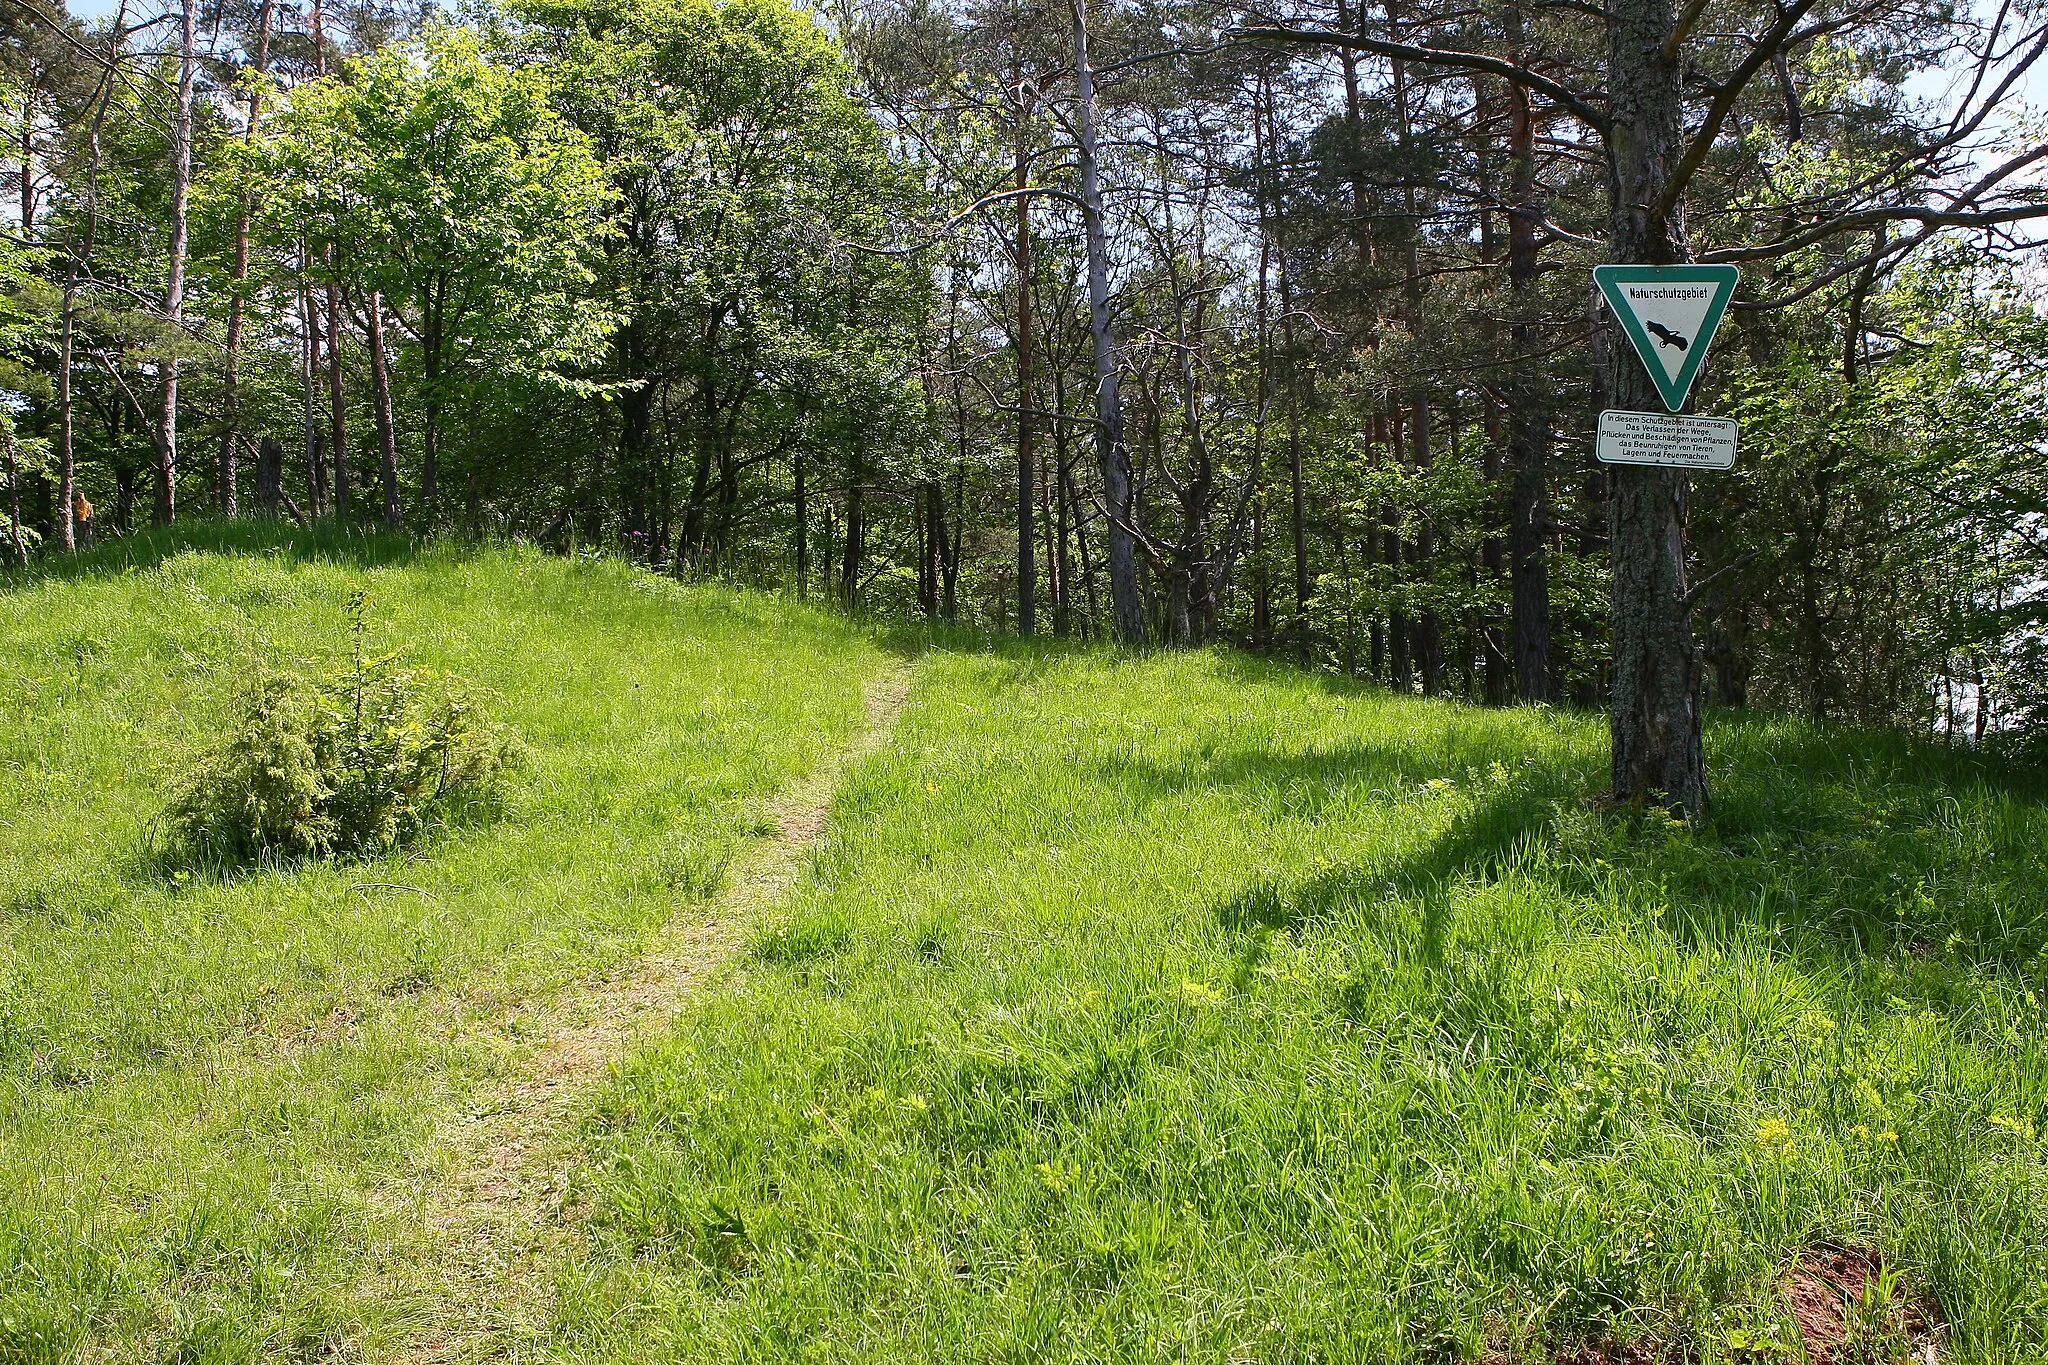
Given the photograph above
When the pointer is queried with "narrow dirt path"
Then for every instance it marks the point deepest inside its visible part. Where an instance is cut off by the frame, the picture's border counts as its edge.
(495, 1226)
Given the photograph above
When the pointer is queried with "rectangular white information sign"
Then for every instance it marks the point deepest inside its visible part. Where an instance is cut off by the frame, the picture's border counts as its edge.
(1653, 438)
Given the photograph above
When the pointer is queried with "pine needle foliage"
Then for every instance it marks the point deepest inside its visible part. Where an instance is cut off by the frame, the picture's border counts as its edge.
(349, 766)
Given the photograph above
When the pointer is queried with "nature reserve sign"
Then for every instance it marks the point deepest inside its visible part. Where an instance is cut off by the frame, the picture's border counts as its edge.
(1670, 314)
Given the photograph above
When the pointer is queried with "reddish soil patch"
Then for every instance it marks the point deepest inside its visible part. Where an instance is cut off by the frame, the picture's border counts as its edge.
(1601, 1352)
(1852, 1310)
(1613, 1353)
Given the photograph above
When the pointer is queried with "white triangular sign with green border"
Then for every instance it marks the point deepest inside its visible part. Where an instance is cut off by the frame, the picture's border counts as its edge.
(1670, 314)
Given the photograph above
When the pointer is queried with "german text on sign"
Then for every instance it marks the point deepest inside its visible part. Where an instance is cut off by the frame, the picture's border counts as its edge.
(1653, 438)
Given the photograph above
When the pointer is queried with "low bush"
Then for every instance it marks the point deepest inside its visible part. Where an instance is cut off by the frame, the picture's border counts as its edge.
(348, 766)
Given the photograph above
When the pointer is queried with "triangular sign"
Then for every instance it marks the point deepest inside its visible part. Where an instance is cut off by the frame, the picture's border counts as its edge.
(1670, 313)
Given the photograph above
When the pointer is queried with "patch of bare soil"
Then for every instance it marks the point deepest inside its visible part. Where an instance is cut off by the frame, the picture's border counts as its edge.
(1601, 1352)
(499, 1218)
(1614, 1353)
(1853, 1309)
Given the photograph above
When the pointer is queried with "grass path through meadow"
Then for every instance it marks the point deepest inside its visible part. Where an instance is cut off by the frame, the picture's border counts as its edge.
(221, 1098)
(499, 1225)
(1182, 1007)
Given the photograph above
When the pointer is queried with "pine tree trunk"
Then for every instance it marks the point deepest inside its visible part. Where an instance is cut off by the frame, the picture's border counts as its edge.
(1655, 715)
(1528, 423)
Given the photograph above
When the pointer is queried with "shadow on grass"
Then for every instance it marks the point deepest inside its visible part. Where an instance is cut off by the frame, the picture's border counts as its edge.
(1500, 832)
(1849, 844)
(325, 542)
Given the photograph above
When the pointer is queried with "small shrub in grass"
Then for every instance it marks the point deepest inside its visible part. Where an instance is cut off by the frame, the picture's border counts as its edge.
(351, 766)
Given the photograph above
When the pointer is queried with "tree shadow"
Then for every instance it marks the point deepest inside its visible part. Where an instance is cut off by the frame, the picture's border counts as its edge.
(325, 542)
(1478, 847)
(1455, 745)
(1838, 843)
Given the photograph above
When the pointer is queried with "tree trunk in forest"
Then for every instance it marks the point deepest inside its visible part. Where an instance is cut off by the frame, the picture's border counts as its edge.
(432, 339)
(1297, 509)
(855, 549)
(1528, 422)
(269, 475)
(1126, 606)
(174, 287)
(337, 402)
(1655, 707)
(309, 384)
(14, 493)
(380, 400)
(949, 603)
(27, 196)
(1428, 629)
(1399, 636)
(231, 397)
(803, 521)
(1058, 560)
(1027, 456)
(80, 254)
(1494, 645)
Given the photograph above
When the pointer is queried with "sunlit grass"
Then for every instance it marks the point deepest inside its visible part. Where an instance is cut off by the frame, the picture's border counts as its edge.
(1166, 1007)
(213, 1091)
(1182, 1008)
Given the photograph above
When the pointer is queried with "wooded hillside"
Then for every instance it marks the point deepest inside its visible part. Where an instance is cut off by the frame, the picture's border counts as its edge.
(1180, 321)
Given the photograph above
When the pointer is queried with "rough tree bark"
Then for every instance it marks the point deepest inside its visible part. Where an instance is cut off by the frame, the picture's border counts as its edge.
(1655, 709)
(1027, 455)
(1528, 423)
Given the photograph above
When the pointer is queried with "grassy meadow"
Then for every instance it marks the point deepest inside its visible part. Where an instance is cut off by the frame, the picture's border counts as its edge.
(1161, 1007)
(217, 1094)
(1185, 1008)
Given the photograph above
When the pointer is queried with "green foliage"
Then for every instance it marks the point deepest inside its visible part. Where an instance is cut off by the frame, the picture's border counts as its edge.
(446, 182)
(744, 174)
(350, 767)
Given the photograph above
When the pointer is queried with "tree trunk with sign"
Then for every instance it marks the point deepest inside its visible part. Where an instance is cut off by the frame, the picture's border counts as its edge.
(1655, 720)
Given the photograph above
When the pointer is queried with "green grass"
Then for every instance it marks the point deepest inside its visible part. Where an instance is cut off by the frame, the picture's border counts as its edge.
(215, 1094)
(1173, 1007)
(1181, 1008)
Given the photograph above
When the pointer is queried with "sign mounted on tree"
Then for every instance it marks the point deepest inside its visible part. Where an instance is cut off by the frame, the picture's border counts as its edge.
(1669, 314)
(1665, 442)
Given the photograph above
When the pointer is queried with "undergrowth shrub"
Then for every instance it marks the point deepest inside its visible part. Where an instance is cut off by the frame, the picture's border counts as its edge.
(346, 766)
